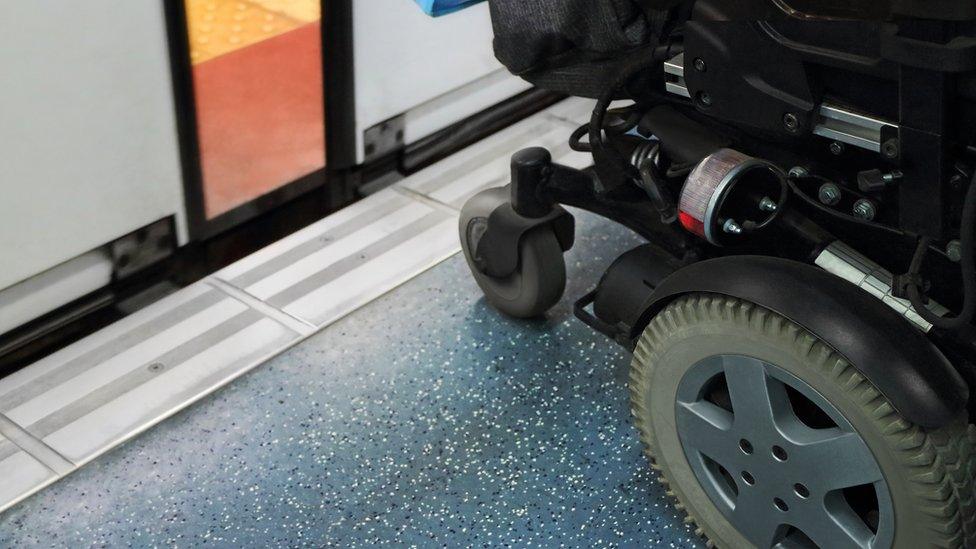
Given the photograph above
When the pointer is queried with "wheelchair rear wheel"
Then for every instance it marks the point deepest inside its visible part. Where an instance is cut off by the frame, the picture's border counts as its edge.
(767, 437)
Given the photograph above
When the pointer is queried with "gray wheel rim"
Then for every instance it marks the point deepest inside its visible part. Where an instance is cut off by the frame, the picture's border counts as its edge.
(780, 475)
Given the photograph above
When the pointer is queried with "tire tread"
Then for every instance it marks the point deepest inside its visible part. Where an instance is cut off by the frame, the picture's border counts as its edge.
(942, 462)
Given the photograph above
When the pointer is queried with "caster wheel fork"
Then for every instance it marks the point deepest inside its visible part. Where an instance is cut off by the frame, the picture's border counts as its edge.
(514, 241)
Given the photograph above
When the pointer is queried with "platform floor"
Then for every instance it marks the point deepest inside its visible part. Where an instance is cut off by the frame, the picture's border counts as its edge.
(421, 418)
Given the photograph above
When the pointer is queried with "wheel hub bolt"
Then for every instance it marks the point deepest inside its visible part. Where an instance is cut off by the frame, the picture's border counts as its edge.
(829, 194)
(700, 64)
(836, 148)
(768, 204)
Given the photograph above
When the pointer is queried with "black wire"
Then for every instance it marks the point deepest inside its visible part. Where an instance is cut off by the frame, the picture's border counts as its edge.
(574, 139)
(656, 187)
(681, 170)
(967, 234)
(850, 218)
(601, 152)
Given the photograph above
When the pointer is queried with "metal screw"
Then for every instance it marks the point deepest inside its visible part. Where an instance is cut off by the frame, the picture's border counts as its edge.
(798, 171)
(731, 227)
(700, 64)
(829, 194)
(156, 367)
(894, 175)
(954, 250)
(837, 148)
(865, 209)
(791, 122)
(768, 204)
(704, 98)
(891, 149)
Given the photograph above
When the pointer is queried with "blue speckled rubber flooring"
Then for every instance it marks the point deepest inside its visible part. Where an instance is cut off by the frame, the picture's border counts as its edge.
(423, 419)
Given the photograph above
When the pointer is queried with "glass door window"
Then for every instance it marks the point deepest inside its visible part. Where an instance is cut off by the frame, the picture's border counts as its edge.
(258, 96)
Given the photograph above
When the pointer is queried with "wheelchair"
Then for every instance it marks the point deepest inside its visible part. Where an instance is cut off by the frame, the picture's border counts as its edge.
(801, 314)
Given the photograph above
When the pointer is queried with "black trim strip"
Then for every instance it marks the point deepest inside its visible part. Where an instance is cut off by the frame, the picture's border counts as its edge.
(439, 145)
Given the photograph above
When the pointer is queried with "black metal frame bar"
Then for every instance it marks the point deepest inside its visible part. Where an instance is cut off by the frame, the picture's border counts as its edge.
(625, 204)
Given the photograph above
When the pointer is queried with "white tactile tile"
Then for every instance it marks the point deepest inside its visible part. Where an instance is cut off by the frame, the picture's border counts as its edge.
(171, 390)
(384, 272)
(79, 400)
(20, 474)
(333, 267)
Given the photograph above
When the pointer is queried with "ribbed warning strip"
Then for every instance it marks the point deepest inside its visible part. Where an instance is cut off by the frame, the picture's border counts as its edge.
(156, 352)
(21, 473)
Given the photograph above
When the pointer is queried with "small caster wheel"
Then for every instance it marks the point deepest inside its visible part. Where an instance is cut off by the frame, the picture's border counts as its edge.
(767, 437)
(540, 277)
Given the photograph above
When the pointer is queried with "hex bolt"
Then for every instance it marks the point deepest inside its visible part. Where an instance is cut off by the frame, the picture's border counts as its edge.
(768, 204)
(700, 64)
(837, 148)
(865, 209)
(954, 251)
(732, 227)
(791, 122)
(797, 172)
(829, 194)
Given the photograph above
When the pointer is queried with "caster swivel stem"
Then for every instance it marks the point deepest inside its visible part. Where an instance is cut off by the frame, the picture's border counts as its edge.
(531, 170)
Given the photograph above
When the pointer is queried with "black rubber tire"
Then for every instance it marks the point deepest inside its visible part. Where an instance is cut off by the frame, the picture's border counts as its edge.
(931, 474)
(540, 279)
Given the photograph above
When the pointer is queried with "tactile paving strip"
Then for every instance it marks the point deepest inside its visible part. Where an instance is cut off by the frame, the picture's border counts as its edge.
(20, 474)
(101, 391)
(346, 260)
(217, 27)
(91, 396)
(300, 10)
